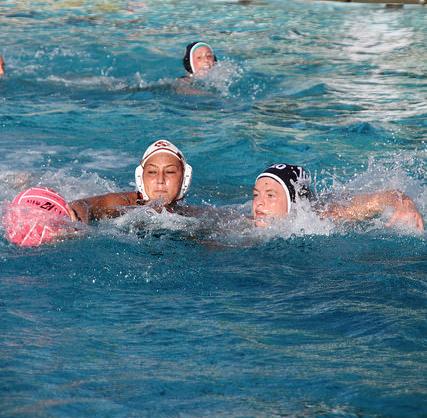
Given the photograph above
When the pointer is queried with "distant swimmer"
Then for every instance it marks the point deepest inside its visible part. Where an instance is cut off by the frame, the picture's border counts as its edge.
(163, 178)
(2, 65)
(279, 186)
(199, 58)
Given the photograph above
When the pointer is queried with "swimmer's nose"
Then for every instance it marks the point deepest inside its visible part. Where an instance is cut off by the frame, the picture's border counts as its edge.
(259, 202)
(160, 178)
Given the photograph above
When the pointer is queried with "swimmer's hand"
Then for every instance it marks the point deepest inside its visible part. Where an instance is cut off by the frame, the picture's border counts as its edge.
(80, 211)
(367, 206)
(405, 213)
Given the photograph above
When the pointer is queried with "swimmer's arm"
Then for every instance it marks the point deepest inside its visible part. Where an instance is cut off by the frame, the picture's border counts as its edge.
(109, 205)
(183, 86)
(367, 206)
(1, 66)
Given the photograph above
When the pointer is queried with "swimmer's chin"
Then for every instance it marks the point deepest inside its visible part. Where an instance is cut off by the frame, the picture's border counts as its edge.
(202, 73)
(266, 221)
(262, 222)
(158, 203)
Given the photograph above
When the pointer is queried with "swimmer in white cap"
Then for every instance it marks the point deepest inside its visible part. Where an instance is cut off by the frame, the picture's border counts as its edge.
(279, 186)
(162, 178)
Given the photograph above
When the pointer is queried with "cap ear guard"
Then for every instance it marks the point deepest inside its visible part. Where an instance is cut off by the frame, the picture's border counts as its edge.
(139, 181)
(185, 186)
(186, 180)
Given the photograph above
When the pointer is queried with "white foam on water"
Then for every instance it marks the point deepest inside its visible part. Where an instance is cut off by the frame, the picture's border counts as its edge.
(241, 230)
(28, 158)
(35, 167)
(221, 77)
(94, 82)
(60, 52)
(106, 159)
(74, 187)
(147, 218)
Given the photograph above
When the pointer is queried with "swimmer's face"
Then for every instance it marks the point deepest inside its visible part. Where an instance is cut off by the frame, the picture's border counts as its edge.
(162, 177)
(203, 60)
(269, 201)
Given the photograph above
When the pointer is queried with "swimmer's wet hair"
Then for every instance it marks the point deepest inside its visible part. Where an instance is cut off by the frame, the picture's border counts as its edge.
(189, 50)
(293, 178)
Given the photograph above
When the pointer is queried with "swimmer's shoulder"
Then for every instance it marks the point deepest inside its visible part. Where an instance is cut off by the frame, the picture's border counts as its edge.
(119, 199)
(186, 210)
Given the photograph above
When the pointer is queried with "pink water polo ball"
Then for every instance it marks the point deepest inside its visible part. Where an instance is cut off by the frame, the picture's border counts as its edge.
(36, 216)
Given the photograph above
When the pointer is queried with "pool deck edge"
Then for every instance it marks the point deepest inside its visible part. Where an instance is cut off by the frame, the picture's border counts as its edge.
(387, 2)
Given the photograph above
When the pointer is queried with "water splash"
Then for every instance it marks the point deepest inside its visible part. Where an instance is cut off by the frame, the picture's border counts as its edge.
(220, 78)
(95, 82)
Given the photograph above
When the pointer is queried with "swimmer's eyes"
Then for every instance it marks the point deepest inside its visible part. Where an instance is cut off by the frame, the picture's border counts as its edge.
(201, 57)
(154, 172)
(270, 195)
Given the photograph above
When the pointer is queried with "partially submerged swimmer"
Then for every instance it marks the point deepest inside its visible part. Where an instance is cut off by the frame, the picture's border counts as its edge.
(277, 188)
(274, 192)
(1, 66)
(199, 58)
(162, 178)
(40, 215)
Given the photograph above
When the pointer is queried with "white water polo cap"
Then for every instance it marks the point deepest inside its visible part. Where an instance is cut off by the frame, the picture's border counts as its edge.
(162, 145)
(294, 180)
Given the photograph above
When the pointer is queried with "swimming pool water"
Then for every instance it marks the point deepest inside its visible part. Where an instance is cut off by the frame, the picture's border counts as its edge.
(162, 316)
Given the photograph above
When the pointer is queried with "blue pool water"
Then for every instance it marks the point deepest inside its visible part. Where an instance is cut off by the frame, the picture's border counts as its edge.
(163, 316)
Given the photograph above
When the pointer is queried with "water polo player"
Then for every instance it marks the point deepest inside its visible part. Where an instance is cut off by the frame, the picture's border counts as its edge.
(275, 189)
(199, 58)
(279, 186)
(162, 178)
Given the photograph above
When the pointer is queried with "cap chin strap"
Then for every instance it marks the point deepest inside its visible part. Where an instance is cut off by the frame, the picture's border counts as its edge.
(186, 181)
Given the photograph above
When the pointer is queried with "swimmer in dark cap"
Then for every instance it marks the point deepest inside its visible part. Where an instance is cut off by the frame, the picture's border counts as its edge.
(279, 186)
(162, 178)
(199, 58)
(274, 191)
